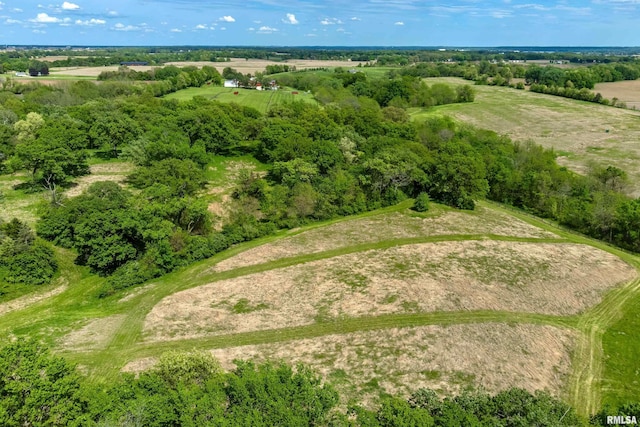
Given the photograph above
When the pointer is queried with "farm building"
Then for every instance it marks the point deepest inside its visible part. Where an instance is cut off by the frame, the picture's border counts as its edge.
(231, 83)
(134, 63)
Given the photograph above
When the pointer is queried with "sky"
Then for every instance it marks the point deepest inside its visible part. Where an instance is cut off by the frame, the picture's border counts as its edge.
(463, 23)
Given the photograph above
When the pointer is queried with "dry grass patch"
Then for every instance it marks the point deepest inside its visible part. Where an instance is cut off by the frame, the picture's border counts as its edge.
(555, 279)
(115, 172)
(94, 335)
(399, 361)
(386, 227)
(27, 300)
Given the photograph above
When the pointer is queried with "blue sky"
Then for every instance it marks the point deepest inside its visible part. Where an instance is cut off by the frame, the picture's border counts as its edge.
(322, 22)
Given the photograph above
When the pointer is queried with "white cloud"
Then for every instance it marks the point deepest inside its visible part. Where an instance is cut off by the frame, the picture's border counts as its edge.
(17, 10)
(175, 30)
(399, 23)
(223, 28)
(91, 21)
(121, 27)
(112, 13)
(267, 30)
(43, 18)
(251, 29)
(70, 6)
(39, 32)
(355, 18)
(201, 27)
(331, 21)
(291, 19)
(12, 21)
(227, 19)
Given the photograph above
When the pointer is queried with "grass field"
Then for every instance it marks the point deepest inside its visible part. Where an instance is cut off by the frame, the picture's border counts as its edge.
(372, 331)
(260, 100)
(580, 132)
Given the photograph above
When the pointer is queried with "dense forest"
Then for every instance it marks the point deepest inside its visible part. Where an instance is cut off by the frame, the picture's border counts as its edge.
(190, 389)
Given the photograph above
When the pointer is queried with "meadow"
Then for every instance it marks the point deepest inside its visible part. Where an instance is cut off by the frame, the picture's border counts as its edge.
(581, 133)
(260, 100)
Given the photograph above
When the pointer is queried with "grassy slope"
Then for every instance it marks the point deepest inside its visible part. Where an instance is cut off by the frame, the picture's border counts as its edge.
(52, 318)
(581, 132)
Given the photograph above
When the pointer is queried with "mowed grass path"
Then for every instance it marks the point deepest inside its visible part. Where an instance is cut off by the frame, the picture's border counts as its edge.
(589, 385)
(260, 100)
(580, 132)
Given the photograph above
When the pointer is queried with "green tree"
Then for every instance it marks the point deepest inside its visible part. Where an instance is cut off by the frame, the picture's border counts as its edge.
(37, 388)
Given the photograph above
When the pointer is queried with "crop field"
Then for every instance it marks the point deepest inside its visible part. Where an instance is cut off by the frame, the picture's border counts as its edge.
(627, 91)
(260, 100)
(374, 302)
(580, 132)
(250, 66)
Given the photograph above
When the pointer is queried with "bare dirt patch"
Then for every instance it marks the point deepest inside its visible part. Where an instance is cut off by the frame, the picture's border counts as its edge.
(94, 335)
(448, 359)
(115, 172)
(555, 279)
(385, 227)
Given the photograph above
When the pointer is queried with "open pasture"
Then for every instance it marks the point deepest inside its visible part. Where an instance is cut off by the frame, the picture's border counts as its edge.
(260, 100)
(580, 132)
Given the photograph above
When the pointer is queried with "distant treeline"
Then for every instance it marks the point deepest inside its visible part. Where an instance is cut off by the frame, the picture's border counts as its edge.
(191, 389)
(18, 60)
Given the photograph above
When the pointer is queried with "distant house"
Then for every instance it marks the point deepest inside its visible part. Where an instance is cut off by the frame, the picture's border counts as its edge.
(258, 86)
(134, 63)
(21, 74)
(231, 83)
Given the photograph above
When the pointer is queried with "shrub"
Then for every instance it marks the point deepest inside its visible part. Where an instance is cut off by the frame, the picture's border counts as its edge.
(421, 204)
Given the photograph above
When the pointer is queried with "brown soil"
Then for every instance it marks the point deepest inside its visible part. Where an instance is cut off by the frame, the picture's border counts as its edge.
(385, 227)
(556, 279)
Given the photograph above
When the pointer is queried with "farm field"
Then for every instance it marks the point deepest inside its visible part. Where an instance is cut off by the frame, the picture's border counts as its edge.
(260, 100)
(376, 311)
(580, 132)
(244, 66)
(627, 91)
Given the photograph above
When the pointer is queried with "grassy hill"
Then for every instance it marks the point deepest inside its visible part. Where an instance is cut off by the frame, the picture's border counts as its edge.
(387, 301)
(580, 132)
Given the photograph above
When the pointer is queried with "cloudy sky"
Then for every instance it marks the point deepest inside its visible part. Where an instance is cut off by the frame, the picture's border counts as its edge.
(322, 22)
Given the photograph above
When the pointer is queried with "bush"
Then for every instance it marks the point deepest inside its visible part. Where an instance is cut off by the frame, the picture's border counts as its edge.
(421, 204)
(34, 266)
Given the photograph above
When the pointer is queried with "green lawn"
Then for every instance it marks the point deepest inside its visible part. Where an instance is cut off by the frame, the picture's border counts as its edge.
(260, 100)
